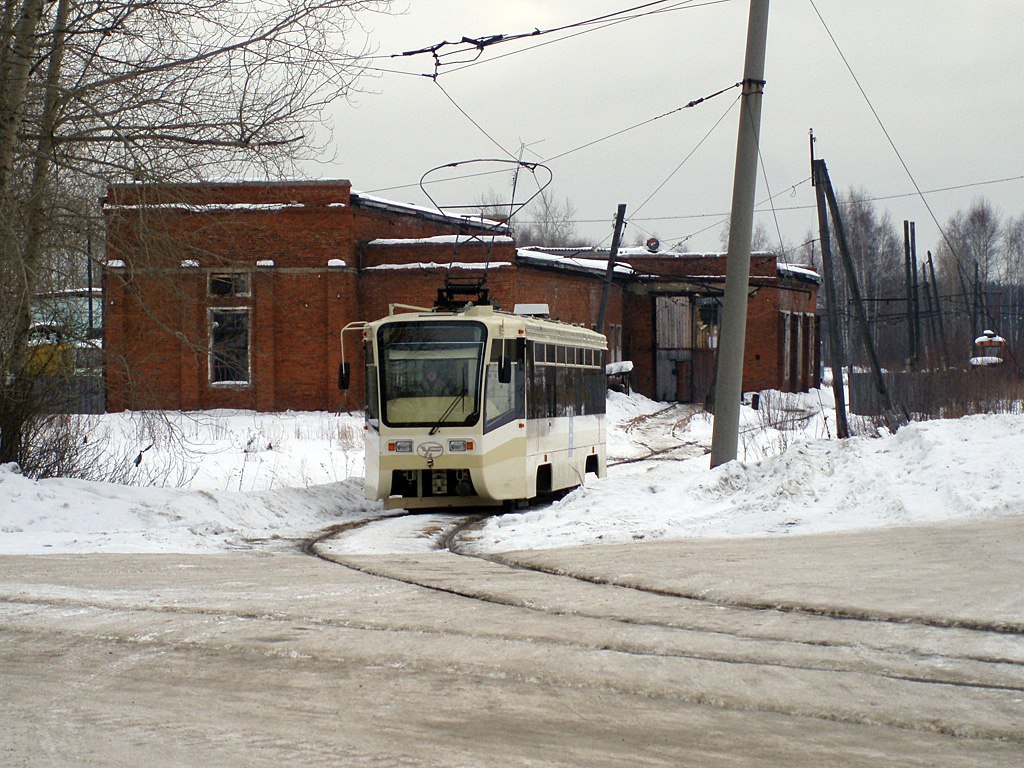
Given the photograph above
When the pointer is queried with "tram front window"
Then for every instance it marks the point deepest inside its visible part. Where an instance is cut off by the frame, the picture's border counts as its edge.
(430, 373)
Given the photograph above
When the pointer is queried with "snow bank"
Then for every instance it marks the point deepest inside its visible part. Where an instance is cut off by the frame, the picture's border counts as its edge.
(245, 479)
(928, 472)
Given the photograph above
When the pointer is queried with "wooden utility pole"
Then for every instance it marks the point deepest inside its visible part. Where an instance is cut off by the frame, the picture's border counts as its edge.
(943, 349)
(620, 218)
(915, 296)
(932, 345)
(908, 286)
(729, 382)
(894, 418)
(835, 358)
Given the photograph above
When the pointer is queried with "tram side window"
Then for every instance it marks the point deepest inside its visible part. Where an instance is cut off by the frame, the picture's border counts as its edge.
(595, 390)
(563, 383)
(505, 401)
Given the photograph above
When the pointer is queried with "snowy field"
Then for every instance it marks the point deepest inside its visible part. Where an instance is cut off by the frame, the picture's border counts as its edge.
(226, 481)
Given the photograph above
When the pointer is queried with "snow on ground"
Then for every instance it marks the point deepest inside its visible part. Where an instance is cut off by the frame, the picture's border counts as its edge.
(237, 479)
(928, 472)
(228, 480)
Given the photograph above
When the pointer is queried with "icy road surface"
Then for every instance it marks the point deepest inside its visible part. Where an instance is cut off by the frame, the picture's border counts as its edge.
(890, 647)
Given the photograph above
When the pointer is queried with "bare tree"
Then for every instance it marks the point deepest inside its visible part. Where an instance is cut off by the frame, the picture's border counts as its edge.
(974, 236)
(552, 223)
(545, 221)
(760, 241)
(973, 262)
(136, 90)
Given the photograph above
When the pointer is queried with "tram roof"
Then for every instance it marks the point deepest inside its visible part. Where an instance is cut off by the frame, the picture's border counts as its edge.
(548, 330)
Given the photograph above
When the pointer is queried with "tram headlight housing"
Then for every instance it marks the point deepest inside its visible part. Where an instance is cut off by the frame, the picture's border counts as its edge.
(460, 446)
(400, 446)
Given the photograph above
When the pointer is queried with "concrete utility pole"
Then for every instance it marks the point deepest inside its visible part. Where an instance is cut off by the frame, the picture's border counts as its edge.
(728, 389)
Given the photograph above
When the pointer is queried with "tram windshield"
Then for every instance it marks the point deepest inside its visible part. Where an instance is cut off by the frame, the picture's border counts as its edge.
(430, 373)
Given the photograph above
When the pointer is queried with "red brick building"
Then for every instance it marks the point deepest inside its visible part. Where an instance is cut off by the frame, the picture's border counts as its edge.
(234, 296)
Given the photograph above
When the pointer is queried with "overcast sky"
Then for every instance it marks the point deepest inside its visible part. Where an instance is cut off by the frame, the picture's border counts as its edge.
(943, 77)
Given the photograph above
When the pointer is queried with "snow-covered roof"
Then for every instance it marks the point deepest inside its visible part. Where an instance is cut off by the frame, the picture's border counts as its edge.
(372, 201)
(571, 259)
(798, 270)
(207, 207)
(445, 265)
(442, 240)
(360, 199)
(615, 369)
(590, 258)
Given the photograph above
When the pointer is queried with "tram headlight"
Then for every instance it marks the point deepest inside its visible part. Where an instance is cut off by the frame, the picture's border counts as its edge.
(460, 446)
(400, 446)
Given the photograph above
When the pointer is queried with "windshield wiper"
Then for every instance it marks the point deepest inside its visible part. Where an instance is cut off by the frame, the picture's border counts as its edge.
(448, 410)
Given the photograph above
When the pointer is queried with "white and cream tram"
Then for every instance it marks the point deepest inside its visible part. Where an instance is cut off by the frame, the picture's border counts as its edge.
(478, 407)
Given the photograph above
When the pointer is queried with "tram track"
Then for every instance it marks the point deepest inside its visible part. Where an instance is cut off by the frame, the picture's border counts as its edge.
(782, 642)
(862, 652)
(667, 423)
(508, 624)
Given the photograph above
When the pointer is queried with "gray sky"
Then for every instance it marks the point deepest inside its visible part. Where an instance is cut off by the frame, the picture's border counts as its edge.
(941, 75)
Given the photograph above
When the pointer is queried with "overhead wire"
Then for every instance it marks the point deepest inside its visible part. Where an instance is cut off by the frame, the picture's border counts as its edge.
(639, 11)
(689, 105)
(963, 274)
(477, 45)
(690, 154)
(598, 22)
(679, 6)
(888, 137)
(791, 189)
(469, 117)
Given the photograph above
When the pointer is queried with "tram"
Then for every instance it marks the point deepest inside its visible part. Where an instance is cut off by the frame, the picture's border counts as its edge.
(477, 407)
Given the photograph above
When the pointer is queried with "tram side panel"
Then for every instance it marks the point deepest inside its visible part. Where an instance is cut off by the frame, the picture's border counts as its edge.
(562, 450)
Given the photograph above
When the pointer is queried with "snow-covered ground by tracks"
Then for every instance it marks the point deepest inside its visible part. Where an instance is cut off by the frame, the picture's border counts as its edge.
(244, 479)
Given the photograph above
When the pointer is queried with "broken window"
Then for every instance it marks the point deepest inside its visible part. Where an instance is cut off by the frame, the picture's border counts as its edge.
(229, 284)
(229, 346)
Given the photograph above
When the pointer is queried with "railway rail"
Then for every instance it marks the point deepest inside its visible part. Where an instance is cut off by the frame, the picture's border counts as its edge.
(908, 651)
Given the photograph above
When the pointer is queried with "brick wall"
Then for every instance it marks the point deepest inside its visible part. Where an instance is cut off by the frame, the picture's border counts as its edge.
(300, 243)
(764, 355)
(320, 270)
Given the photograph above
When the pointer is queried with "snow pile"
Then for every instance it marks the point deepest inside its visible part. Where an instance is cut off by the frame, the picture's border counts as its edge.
(79, 516)
(928, 472)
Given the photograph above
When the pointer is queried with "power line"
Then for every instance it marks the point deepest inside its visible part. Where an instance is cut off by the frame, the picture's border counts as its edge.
(559, 156)
(688, 105)
(476, 46)
(691, 153)
(874, 199)
(475, 63)
(474, 122)
(895, 149)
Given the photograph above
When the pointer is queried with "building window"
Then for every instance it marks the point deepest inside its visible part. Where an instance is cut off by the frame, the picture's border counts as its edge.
(229, 346)
(614, 343)
(228, 284)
